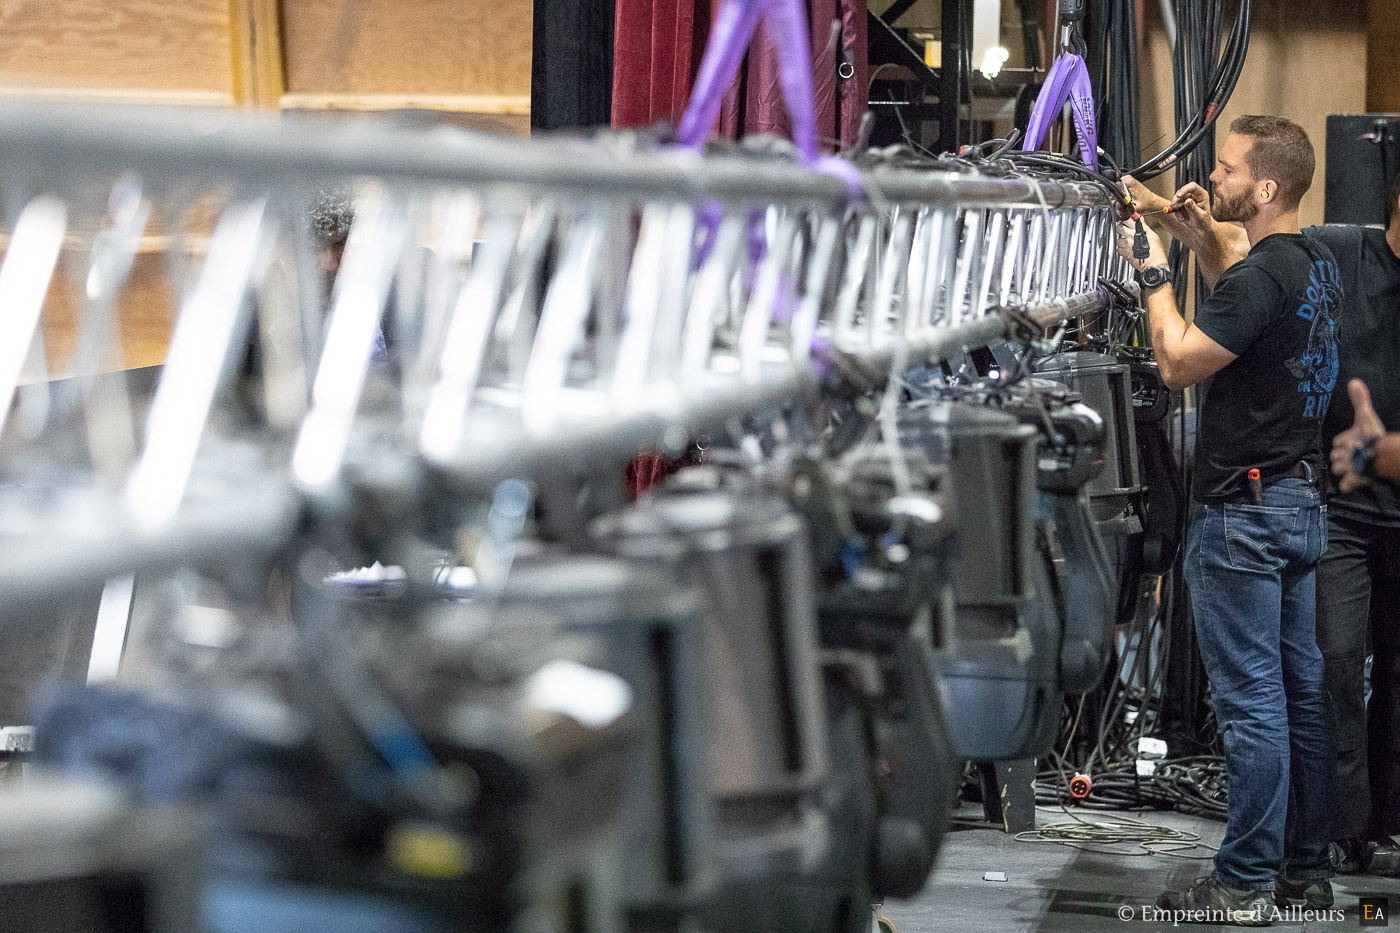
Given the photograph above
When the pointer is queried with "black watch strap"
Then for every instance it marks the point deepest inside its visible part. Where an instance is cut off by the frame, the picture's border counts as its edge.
(1363, 458)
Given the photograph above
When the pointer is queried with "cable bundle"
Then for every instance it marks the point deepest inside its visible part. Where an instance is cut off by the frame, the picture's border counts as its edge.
(1203, 78)
(1128, 710)
(1194, 785)
(1113, 67)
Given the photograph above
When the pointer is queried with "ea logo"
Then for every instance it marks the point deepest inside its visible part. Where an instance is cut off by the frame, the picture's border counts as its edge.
(1375, 911)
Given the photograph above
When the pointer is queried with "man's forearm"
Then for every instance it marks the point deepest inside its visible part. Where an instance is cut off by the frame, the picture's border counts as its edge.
(1211, 256)
(1165, 328)
(1217, 250)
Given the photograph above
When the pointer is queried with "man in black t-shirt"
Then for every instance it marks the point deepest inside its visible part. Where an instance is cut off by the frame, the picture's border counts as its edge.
(1269, 336)
(1358, 579)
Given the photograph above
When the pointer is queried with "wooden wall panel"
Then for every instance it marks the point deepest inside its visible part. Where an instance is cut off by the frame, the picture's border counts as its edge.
(469, 59)
(157, 50)
(1382, 56)
(144, 306)
(428, 48)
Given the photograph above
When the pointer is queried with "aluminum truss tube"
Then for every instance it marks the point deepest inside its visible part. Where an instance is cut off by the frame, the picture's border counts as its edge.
(889, 307)
(267, 151)
(942, 344)
(42, 571)
(24, 281)
(558, 452)
(261, 519)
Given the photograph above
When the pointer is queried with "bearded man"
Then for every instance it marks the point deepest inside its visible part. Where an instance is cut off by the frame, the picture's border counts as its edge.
(1358, 579)
(1256, 528)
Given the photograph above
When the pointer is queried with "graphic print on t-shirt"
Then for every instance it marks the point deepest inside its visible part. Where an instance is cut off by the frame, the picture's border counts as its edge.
(1317, 367)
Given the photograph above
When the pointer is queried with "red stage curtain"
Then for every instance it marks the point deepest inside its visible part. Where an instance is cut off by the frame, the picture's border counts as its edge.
(657, 46)
(657, 49)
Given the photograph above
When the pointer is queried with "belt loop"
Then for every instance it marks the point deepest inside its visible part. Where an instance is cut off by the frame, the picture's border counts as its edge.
(1307, 468)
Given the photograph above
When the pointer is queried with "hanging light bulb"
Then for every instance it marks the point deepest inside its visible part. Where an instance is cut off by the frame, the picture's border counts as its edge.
(991, 62)
(986, 37)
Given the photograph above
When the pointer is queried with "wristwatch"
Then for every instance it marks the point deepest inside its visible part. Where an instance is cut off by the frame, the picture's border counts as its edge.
(1155, 276)
(1363, 458)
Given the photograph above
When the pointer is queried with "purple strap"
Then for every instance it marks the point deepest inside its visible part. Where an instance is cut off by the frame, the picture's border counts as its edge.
(1068, 80)
(787, 26)
(734, 26)
(733, 29)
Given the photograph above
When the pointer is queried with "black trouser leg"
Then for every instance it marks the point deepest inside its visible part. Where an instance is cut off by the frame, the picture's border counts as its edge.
(1344, 607)
(1383, 714)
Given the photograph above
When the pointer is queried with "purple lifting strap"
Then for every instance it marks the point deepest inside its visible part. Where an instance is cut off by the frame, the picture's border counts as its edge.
(1068, 81)
(733, 29)
(730, 35)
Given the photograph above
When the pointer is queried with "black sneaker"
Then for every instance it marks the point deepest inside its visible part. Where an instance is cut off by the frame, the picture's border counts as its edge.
(1309, 895)
(1209, 901)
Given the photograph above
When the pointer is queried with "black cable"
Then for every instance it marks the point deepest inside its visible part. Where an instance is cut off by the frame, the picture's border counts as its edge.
(1197, 36)
(1060, 163)
(1113, 71)
(1194, 785)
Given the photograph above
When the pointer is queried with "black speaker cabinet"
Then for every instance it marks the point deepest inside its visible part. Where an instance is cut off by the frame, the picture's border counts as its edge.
(1363, 155)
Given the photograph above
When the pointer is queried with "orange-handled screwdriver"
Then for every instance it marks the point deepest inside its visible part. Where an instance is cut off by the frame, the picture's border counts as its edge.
(1171, 208)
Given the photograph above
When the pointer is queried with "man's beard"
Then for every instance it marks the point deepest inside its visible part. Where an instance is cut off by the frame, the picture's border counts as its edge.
(1241, 209)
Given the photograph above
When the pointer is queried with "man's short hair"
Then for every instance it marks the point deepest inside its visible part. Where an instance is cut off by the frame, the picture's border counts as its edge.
(331, 214)
(1281, 153)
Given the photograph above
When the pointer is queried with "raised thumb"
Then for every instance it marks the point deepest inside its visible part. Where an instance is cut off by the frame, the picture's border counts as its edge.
(1366, 417)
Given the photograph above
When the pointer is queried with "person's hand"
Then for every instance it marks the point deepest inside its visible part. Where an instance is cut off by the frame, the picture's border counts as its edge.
(1194, 193)
(1145, 199)
(1195, 207)
(1366, 425)
(1157, 253)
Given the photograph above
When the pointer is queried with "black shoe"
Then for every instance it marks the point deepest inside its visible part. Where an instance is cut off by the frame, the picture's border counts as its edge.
(1383, 860)
(1309, 895)
(1209, 901)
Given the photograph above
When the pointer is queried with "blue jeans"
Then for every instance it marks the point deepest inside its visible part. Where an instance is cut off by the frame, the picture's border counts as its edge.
(1251, 570)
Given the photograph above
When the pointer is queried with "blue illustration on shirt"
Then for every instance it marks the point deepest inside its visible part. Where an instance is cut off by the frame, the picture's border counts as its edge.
(1318, 365)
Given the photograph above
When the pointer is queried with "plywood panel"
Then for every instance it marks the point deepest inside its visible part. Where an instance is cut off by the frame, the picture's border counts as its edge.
(142, 45)
(143, 306)
(427, 47)
(1382, 57)
(257, 58)
(469, 112)
(1306, 60)
(146, 313)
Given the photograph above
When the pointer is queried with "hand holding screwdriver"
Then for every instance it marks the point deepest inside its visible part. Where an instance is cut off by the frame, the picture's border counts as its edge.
(1171, 208)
